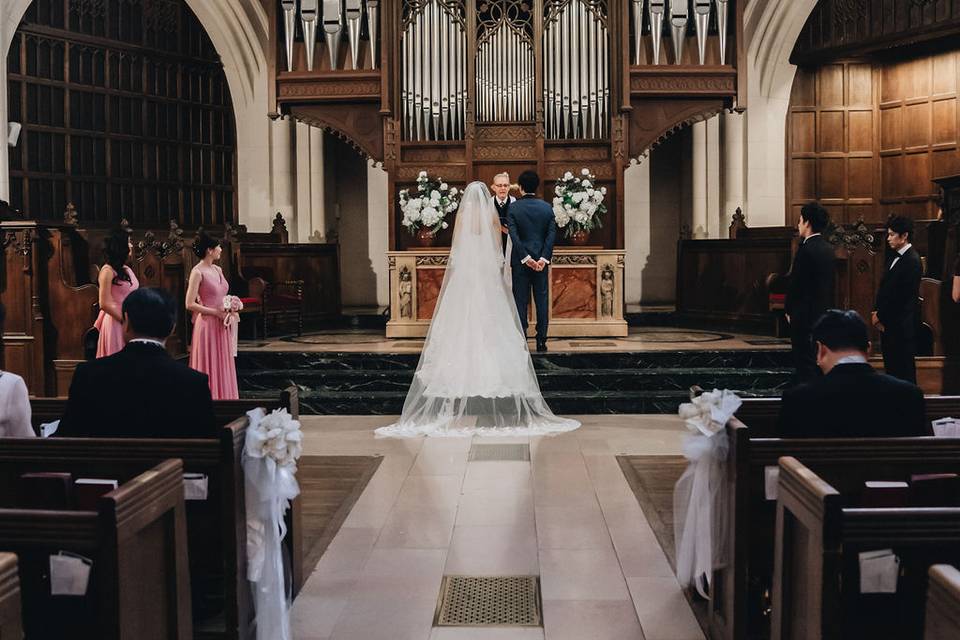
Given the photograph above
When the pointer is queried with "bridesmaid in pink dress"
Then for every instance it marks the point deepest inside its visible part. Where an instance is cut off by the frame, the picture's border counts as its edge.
(116, 281)
(211, 351)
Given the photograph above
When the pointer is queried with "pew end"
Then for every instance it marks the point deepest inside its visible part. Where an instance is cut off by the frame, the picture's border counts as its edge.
(821, 536)
(10, 616)
(137, 531)
(943, 604)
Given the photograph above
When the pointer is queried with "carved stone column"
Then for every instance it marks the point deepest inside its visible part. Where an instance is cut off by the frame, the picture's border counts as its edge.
(732, 170)
(700, 180)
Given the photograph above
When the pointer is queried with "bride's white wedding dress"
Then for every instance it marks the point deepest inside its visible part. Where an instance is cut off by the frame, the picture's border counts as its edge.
(475, 374)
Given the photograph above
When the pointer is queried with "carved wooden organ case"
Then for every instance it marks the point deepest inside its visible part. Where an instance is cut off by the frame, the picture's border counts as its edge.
(465, 89)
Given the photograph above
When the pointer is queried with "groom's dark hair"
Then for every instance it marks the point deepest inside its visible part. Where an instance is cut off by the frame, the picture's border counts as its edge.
(529, 181)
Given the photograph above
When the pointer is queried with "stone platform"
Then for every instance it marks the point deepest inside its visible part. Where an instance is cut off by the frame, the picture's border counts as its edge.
(651, 371)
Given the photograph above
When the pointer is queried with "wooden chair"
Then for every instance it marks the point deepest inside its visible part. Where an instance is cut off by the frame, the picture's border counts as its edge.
(283, 301)
(820, 535)
(139, 585)
(943, 604)
(10, 617)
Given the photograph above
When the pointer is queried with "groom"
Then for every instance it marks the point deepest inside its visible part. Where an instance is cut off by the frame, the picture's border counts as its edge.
(532, 232)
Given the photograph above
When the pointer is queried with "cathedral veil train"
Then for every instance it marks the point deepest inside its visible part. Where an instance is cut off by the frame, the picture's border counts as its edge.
(475, 375)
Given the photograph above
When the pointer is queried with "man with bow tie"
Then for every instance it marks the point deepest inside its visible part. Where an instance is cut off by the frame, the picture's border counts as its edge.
(896, 314)
(501, 202)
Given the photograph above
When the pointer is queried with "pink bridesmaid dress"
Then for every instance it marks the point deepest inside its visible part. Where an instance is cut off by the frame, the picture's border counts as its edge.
(211, 351)
(111, 329)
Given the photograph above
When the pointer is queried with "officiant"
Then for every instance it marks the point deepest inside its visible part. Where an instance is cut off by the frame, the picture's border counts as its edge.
(501, 201)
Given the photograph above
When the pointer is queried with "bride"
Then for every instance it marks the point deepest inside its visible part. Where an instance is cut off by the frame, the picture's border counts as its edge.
(475, 374)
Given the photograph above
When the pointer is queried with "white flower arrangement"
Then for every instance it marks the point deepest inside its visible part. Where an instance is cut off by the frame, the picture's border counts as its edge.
(276, 437)
(429, 205)
(578, 204)
(709, 412)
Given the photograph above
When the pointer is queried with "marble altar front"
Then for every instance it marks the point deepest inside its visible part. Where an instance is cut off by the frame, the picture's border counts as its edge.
(586, 292)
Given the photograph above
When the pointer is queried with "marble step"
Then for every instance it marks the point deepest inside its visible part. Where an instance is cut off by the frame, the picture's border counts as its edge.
(551, 379)
(391, 403)
(741, 359)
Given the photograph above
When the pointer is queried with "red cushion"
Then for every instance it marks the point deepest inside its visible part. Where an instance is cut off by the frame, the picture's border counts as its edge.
(247, 301)
(778, 297)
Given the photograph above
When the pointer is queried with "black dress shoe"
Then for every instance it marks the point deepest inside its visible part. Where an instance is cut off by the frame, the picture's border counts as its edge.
(541, 346)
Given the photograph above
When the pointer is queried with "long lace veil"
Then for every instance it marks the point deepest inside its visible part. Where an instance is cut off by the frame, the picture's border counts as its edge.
(475, 373)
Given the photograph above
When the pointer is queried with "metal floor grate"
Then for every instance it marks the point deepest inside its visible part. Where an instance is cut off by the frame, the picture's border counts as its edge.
(499, 452)
(489, 601)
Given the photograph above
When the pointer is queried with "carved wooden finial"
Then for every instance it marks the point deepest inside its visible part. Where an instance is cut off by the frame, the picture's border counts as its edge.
(70, 215)
(739, 221)
(279, 224)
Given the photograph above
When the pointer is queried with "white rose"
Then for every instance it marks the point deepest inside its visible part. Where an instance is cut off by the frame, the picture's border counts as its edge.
(603, 190)
(454, 191)
(568, 176)
(444, 225)
(568, 207)
(584, 172)
(422, 174)
(586, 184)
(443, 186)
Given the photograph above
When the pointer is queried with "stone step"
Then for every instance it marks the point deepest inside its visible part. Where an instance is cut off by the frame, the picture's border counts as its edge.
(574, 381)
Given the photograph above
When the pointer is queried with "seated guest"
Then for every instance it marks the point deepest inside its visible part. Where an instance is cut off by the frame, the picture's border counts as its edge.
(851, 400)
(14, 401)
(140, 392)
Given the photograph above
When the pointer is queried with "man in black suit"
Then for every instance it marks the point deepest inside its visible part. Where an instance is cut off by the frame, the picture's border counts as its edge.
(896, 313)
(533, 230)
(810, 292)
(140, 392)
(851, 400)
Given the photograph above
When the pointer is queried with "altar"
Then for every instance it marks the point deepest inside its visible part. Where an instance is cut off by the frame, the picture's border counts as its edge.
(586, 292)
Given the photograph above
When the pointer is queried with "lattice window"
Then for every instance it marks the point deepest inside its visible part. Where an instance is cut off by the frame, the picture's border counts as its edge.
(125, 112)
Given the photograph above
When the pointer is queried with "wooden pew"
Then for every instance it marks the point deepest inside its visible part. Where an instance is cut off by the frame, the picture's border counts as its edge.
(10, 625)
(821, 532)
(216, 527)
(45, 410)
(139, 582)
(761, 414)
(943, 604)
(736, 607)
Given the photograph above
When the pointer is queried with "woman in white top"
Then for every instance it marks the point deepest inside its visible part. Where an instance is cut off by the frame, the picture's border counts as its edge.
(14, 401)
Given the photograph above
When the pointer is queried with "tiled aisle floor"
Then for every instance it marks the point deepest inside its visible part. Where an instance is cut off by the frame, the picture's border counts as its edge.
(568, 516)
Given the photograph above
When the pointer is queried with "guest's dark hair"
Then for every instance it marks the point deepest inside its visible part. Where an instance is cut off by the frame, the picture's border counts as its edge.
(529, 181)
(116, 252)
(152, 313)
(901, 225)
(841, 330)
(817, 217)
(204, 243)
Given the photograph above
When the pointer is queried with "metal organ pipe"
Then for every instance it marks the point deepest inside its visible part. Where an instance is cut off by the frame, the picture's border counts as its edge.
(701, 16)
(678, 27)
(656, 9)
(354, 13)
(722, 28)
(309, 17)
(289, 8)
(332, 29)
(372, 14)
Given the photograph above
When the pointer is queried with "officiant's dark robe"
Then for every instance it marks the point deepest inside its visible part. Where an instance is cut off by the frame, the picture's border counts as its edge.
(502, 214)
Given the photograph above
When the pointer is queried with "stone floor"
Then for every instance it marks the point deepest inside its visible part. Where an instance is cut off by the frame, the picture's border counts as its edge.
(567, 516)
(641, 339)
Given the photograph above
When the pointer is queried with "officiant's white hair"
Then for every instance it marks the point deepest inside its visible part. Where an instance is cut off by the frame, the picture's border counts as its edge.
(502, 174)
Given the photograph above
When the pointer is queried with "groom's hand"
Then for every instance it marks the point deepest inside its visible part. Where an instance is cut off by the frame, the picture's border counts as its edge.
(542, 264)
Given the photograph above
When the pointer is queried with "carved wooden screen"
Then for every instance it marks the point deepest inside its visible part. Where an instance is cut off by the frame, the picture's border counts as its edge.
(125, 112)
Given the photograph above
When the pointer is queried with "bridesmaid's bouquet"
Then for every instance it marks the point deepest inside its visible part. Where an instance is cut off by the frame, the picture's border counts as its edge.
(428, 204)
(578, 205)
(233, 306)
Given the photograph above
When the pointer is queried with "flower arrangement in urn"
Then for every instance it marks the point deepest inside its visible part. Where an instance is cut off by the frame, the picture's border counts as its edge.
(578, 205)
(425, 210)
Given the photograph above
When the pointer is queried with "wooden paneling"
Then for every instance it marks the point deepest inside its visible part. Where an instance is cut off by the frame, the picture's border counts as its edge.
(126, 113)
(867, 139)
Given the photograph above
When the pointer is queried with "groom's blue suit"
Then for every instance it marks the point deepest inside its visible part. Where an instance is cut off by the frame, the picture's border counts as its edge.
(532, 232)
